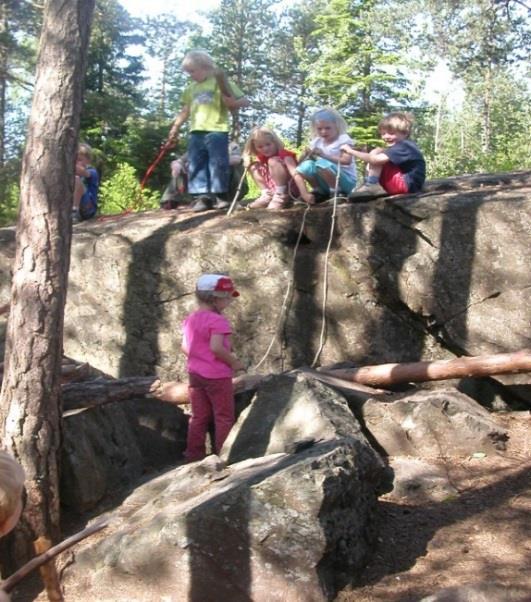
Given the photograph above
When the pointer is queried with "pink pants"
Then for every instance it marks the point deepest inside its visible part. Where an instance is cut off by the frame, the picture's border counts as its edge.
(211, 398)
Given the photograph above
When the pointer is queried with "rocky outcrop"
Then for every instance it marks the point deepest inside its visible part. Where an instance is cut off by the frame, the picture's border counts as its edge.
(280, 526)
(415, 277)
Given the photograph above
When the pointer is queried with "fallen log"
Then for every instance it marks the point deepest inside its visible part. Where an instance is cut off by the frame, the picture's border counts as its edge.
(462, 367)
(358, 391)
(100, 391)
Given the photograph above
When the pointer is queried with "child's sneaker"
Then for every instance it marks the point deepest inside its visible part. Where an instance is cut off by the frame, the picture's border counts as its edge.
(263, 200)
(367, 191)
(76, 216)
(279, 201)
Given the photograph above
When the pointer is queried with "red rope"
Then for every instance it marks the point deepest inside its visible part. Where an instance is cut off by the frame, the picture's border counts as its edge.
(151, 168)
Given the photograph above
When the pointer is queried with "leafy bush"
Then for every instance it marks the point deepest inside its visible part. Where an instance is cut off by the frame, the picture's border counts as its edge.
(121, 191)
(9, 205)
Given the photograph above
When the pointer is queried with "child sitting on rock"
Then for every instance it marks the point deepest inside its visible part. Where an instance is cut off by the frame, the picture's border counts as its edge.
(325, 158)
(272, 167)
(398, 169)
(86, 186)
(210, 364)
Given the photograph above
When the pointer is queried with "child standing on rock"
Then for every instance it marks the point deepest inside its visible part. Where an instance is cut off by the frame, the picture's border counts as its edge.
(210, 364)
(207, 102)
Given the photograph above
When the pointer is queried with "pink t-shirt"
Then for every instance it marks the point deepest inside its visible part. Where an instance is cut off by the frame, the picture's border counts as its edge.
(198, 328)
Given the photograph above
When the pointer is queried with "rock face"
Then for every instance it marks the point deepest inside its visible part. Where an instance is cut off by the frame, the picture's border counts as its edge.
(277, 527)
(414, 277)
(107, 449)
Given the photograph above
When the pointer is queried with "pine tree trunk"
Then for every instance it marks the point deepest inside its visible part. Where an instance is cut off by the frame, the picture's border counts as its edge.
(4, 27)
(30, 398)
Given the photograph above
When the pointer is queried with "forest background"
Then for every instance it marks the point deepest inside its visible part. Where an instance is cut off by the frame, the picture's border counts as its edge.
(363, 57)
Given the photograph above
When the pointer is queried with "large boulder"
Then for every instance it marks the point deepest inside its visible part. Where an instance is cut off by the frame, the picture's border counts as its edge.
(289, 411)
(278, 528)
(413, 277)
(436, 423)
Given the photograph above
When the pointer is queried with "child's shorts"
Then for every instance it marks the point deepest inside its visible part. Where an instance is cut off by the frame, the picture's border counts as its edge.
(392, 179)
(87, 206)
(310, 167)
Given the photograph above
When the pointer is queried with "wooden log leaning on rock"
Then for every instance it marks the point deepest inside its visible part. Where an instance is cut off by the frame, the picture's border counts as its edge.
(391, 374)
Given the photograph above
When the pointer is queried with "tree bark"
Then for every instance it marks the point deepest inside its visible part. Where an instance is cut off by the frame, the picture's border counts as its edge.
(461, 367)
(30, 408)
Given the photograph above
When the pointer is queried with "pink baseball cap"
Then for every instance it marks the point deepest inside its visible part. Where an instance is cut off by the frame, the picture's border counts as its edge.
(216, 283)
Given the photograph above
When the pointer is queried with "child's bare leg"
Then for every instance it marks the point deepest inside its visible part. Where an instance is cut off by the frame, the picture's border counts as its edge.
(329, 177)
(306, 195)
(257, 173)
(374, 171)
(278, 171)
(257, 176)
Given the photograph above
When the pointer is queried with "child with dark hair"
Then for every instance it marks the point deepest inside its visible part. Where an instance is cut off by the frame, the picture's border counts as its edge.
(210, 364)
(397, 169)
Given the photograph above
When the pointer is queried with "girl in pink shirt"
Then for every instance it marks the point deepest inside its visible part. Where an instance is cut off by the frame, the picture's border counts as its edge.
(211, 364)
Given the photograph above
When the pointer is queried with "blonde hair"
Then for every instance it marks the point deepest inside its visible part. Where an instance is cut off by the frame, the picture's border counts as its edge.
(199, 58)
(11, 485)
(330, 115)
(85, 150)
(397, 122)
(258, 133)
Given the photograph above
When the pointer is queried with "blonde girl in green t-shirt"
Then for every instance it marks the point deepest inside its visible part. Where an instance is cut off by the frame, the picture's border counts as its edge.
(206, 102)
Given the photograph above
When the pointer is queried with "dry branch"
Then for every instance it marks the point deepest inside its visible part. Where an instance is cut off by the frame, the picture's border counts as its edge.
(391, 374)
(8, 584)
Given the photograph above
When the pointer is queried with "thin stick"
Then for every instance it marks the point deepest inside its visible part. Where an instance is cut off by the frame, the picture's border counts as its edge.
(8, 584)
(238, 190)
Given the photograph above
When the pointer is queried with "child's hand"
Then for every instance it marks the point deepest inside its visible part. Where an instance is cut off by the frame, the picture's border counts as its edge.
(305, 154)
(237, 366)
(346, 148)
(230, 102)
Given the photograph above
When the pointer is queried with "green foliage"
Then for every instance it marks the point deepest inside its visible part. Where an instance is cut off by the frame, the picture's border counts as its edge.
(122, 191)
(9, 206)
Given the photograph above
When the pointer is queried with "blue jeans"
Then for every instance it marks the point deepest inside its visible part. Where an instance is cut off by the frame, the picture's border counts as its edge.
(208, 162)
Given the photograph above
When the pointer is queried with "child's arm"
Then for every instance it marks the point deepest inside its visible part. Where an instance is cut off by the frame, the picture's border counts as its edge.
(229, 100)
(223, 354)
(375, 157)
(82, 170)
(344, 158)
(234, 103)
(182, 116)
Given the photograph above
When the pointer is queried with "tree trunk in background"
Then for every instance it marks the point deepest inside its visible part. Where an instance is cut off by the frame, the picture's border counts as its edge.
(3, 80)
(30, 400)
